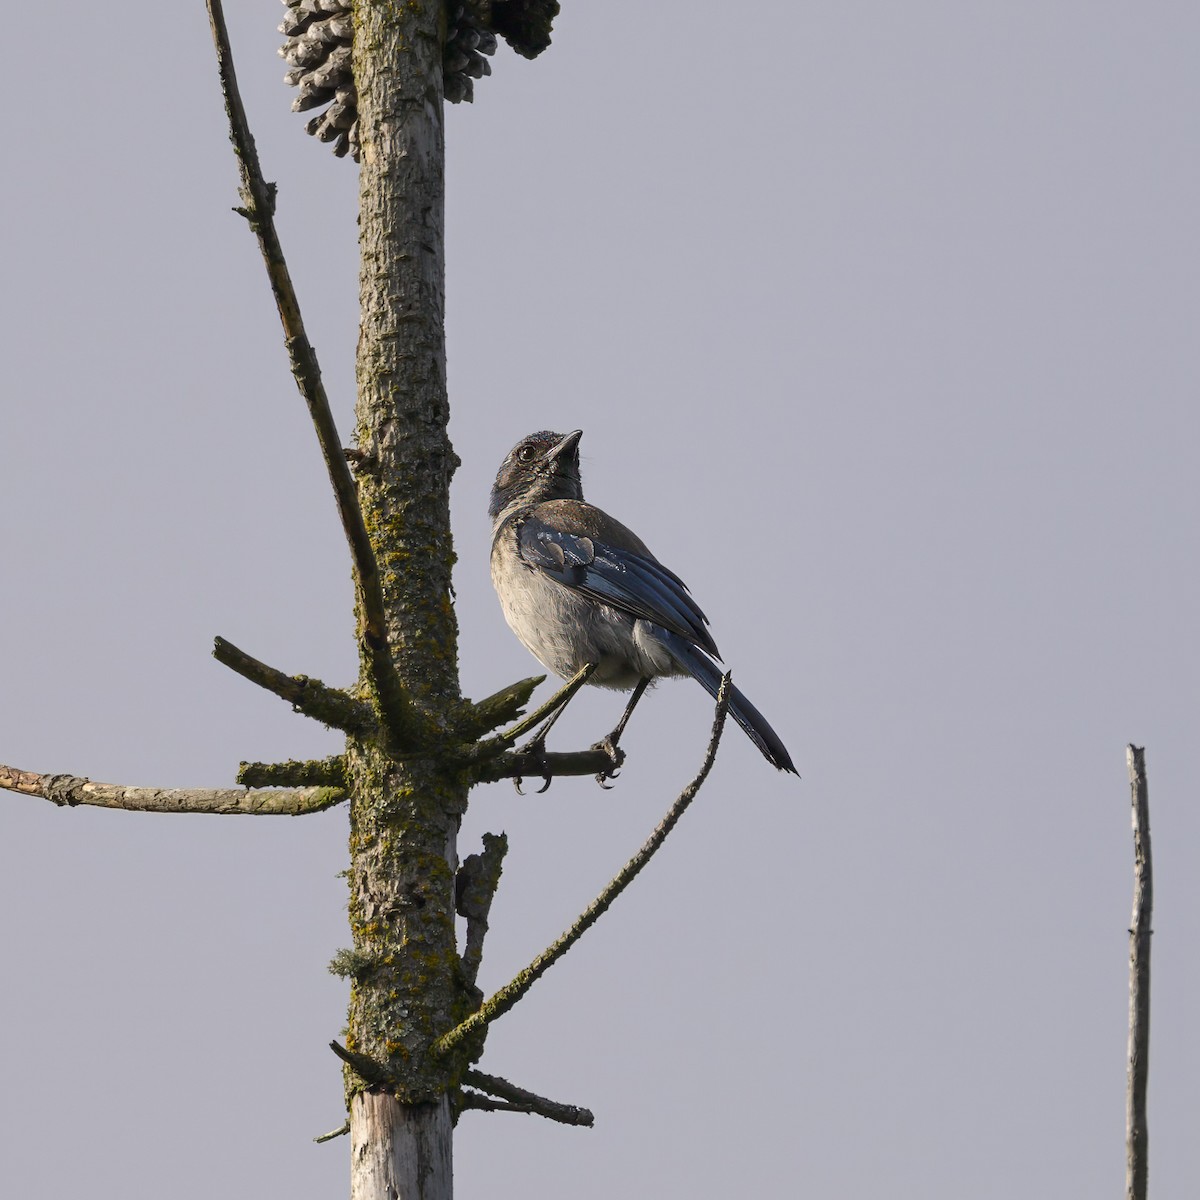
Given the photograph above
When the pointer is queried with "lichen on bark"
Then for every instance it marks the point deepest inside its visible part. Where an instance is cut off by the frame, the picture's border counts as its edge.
(405, 804)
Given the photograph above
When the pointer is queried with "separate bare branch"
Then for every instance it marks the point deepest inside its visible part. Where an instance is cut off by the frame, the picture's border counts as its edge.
(73, 790)
(515, 1099)
(503, 1000)
(323, 772)
(1137, 1141)
(330, 706)
(474, 889)
(258, 200)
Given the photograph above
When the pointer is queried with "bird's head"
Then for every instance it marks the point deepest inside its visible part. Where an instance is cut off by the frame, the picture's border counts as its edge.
(542, 466)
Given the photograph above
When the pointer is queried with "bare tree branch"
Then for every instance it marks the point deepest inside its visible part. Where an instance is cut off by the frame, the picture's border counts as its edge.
(494, 710)
(515, 1099)
(330, 706)
(503, 1000)
(322, 772)
(340, 1131)
(489, 761)
(527, 764)
(258, 200)
(520, 1101)
(494, 746)
(73, 790)
(365, 1067)
(1137, 1139)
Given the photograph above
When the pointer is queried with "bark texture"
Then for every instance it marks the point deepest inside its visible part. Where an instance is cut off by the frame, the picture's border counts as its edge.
(402, 407)
(407, 983)
(1137, 1137)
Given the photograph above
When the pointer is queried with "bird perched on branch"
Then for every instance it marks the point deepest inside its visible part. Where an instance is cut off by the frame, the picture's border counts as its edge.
(578, 587)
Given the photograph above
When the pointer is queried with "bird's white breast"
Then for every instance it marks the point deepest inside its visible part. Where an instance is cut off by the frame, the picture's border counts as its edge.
(564, 630)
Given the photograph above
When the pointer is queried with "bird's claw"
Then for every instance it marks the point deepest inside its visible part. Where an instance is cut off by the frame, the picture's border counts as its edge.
(616, 754)
(547, 780)
(538, 748)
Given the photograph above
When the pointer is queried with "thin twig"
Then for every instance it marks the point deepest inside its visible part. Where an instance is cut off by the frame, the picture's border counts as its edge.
(330, 706)
(258, 200)
(503, 1000)
(73, 790)
(340, 1131)
(520, 1100)
(1137, 1140)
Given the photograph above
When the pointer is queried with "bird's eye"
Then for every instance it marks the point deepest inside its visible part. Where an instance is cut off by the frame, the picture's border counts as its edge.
(527, 452)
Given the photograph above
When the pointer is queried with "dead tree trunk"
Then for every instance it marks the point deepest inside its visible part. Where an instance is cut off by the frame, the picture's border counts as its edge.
(404, 811)
(1137, 1138)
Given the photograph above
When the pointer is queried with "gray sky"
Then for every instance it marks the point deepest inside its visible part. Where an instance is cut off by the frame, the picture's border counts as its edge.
(880, 321)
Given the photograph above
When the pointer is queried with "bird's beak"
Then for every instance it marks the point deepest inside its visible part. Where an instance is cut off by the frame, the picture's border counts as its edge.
(565, 447)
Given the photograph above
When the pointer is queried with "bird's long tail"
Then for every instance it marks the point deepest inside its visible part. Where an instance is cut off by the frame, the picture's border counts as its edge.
(708, 675)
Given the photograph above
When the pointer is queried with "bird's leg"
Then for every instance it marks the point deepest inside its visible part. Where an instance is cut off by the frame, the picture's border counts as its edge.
(554, 706)
(537, 745)
(609, 743)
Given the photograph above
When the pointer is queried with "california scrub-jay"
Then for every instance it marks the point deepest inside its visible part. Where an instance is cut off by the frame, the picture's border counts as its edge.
(577, 587)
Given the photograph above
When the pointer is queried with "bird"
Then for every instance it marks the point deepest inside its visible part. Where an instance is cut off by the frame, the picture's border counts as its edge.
(577, 587)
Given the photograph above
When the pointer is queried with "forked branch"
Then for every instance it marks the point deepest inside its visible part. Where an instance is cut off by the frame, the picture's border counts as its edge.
(504, 705)
(258, 207)
(493, 758)
(494, 746)
(503, 1000)
(514, 1099)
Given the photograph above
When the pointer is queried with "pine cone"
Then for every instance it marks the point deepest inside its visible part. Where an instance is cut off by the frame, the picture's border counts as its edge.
(469, 44)
(318, 50)
(523, 24)
(319, 36)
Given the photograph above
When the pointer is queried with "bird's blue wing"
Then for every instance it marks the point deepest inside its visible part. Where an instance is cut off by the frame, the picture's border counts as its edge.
(620, 577)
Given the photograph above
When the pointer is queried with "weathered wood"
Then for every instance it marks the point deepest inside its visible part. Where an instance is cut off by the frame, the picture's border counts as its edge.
(70, 791)
(474, 890)
(399, 1150)
(516, 1099)
(318, 772)
(1137, 1138)
(404, 813)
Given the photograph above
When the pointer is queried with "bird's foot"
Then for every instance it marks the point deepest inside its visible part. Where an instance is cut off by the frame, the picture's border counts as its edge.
(537, 749)
(617, 756)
